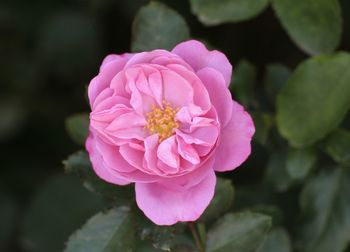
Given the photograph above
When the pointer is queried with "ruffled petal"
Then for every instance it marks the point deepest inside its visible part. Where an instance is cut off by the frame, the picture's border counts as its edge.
(115, 57)
(219, 94)
(98, 165)
(235, 140)
(166, 207)
(110, 67)
(177, 90)
(190, 179)
(201, 97)
(167, 153)
(187, 151)
(198, 57)
(157, 57)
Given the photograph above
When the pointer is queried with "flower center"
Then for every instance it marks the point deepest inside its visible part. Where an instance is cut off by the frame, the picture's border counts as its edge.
(162, 121)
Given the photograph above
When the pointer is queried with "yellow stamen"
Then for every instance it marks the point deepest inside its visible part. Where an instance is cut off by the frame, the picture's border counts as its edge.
(162, 121)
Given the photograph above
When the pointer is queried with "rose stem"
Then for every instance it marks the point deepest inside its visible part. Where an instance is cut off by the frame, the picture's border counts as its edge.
(196, 237)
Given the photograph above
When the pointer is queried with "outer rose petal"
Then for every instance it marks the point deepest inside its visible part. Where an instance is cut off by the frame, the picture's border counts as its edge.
(187, 181)
(109, 171)
(198, 57)
(98, 166)
(166, 207)
(111, 65)
(113, 57)
(235, 147)
(219, 94)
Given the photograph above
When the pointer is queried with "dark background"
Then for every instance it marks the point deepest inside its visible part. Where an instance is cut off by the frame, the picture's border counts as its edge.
(49, 51)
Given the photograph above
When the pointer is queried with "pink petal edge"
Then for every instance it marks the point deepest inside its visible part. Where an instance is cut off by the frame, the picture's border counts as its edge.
(235, 145)
(198, 57)
(166, 207)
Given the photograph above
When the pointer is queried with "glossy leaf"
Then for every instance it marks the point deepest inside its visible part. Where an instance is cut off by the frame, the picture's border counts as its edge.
(315, 99)
(223, 11)
(104, 232)
(300, 162)
(314, 25)
(337, 145)
(326, 209)
(157, 27)
(277, 240)
(238, 232)
(273, 211)
(164, 238)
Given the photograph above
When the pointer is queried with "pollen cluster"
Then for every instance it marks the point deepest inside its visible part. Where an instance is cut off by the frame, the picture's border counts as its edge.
(162, 121)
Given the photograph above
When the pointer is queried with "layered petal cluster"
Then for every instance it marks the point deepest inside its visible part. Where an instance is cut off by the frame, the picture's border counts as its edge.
(166, 122)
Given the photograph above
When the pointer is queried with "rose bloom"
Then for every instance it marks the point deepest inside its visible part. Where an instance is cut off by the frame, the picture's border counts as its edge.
(166, 122)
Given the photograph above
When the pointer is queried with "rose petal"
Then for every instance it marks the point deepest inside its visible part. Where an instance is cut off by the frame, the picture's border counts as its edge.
(166, 207)
(112, 157)
(127, 121)
(198, 57)
(157, 57)
(190, 179)
(177, 91)
(201, 98)
(187, 152)
(98, 166)
(150, 159)
(235, 138)
(115, 57)
(219, 94)
(167, 152)
(132, 156)
(107, 72)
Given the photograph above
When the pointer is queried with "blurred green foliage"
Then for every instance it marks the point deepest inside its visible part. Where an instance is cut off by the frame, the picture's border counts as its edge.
(290, 61)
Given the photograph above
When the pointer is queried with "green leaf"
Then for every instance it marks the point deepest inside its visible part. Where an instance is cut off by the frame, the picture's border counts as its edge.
(243, 82)
(79, 163)
(104, 232)
(181, 243)
(300, 162)
(273, 211)
(222, 201)
(263, 124)
(315, 99)
(276, 76)
(77, 127)
(157, 26)
(238, 232)
(314, 25)
(59, 206)
(325, 207)
(221, 11)
(277, 240)
(164, 238)
(276, 174)
(8, 210)
(337, 145)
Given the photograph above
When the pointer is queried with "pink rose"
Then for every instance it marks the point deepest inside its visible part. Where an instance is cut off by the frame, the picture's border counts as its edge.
(166, 122)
